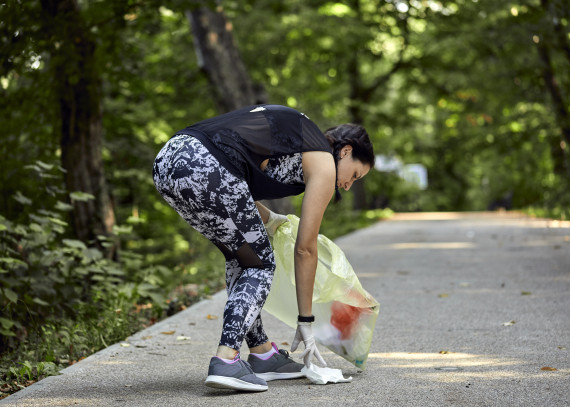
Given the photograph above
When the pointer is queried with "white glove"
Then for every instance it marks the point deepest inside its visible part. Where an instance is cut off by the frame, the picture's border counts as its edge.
(275, 220)
(305, 333)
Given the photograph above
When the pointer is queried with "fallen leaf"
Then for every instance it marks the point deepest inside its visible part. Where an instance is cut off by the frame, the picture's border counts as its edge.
(125, 345)
(183, 338)
(549, 369)
(168, 332)
(285, 343)
(210, 317)
(464, 284)
(444, 352)
(146, 337)
(561, 348)
(443, 295)
(526, 293)
(509, 323)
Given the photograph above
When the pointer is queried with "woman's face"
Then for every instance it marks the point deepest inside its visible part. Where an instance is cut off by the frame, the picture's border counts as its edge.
(348, 169)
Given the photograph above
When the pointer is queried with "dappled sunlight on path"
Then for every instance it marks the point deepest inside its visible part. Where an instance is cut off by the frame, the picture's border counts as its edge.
(463, 364)
(505, 215)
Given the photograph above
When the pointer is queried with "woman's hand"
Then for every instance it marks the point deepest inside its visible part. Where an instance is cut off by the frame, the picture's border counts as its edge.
(305, 333)
(275, 220)
(271, 220)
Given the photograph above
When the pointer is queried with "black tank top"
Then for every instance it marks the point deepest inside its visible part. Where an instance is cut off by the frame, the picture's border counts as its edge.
(241, 140)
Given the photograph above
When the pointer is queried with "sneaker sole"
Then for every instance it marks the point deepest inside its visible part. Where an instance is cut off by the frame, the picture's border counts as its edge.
(279, 376)
(223, 382)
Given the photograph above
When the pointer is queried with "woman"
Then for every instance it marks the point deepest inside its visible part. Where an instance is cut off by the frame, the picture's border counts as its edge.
(213, 173)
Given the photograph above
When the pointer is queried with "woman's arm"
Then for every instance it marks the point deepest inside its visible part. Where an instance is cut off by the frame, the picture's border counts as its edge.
(320, 176)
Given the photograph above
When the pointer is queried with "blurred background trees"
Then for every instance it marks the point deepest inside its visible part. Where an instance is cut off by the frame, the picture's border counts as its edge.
(474, 90)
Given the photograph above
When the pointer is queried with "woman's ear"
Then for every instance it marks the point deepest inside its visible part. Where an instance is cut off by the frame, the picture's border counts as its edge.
(346, 150)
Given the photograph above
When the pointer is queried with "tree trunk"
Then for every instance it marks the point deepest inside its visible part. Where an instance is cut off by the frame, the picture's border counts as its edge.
(560, 109)
(560, 152)
(78, 88)
(219, 58)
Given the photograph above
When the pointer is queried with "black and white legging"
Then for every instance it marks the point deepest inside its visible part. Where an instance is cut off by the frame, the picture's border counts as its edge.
(219, 205)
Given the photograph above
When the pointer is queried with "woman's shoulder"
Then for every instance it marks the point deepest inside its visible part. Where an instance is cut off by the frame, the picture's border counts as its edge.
(318, 162)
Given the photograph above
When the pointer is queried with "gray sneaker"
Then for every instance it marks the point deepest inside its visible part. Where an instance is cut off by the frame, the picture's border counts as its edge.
(236, 376)
(278, 366)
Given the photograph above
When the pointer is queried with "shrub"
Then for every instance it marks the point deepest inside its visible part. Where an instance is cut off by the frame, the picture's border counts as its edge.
(56, 288)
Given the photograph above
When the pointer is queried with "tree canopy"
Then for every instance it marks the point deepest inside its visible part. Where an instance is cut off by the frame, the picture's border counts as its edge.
(474, 90)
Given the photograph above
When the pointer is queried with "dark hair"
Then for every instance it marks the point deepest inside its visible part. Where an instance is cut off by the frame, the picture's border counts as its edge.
(353, 135)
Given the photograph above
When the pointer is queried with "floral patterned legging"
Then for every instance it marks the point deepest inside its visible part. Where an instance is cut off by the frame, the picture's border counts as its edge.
(219, 205)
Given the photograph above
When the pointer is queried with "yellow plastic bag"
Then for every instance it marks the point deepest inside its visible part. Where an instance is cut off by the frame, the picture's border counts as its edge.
(345, 314)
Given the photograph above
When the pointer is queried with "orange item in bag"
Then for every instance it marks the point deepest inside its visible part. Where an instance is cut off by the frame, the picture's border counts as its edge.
(344, 318)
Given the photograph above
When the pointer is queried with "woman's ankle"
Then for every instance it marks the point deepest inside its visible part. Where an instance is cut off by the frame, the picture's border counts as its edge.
(226, 352)
(263, 348)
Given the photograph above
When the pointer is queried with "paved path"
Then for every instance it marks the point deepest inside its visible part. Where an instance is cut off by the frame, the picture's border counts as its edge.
(447, 283)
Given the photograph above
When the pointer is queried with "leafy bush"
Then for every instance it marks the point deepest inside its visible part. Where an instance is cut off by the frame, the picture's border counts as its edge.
(46, 275)
(62, 299)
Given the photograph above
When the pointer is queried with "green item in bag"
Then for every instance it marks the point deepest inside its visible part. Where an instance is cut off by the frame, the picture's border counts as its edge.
(345, 314)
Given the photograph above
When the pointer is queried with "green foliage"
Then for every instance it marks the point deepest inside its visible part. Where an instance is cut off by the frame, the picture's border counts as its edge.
(18, 376)
(61, 299)
(558, 212)
(461, 89)
(388, 190)
(46, 274)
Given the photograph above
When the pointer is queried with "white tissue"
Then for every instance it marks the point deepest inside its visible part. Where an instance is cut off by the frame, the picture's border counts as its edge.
(323, 375)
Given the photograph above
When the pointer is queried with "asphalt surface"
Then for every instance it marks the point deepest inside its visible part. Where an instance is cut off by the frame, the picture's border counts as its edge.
(473, 308)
